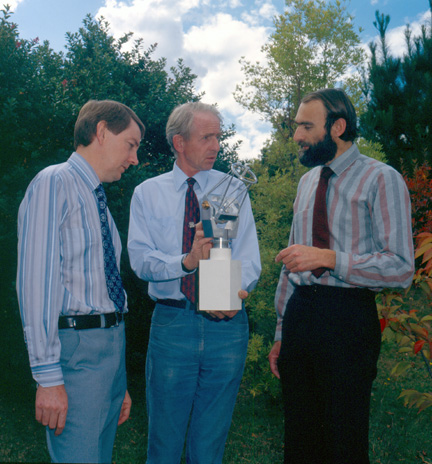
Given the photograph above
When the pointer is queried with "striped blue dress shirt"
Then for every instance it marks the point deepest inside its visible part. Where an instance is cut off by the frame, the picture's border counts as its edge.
(60, 259)
(369, 216)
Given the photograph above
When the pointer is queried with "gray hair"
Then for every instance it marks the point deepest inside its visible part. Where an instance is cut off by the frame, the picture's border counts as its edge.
(181, 120)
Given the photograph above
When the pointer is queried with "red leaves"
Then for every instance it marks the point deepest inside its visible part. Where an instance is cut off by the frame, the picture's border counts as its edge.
(418, 345)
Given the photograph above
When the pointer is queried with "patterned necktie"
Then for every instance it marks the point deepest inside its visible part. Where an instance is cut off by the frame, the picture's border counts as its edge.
(320, 228)
(191, 217)
(112, 275)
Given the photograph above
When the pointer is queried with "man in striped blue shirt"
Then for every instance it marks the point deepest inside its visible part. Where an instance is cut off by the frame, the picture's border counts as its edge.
(71, 299)
(328, 335)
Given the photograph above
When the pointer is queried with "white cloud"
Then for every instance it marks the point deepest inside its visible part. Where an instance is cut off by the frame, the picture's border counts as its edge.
(12, 3)
(396, 36)
(212, 48)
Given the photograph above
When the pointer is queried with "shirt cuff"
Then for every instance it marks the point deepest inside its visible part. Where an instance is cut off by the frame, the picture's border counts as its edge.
(48, 375)
(342, 266)
(184, 268)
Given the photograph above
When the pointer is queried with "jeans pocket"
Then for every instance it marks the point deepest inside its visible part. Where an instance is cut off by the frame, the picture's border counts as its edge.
(70, 348)
(163, 316)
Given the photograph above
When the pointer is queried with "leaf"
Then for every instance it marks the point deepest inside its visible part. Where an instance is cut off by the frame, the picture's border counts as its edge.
(426, 288)
(400, 368)
(421, 331)
(428, 238)
(405, 349)
(418, 345)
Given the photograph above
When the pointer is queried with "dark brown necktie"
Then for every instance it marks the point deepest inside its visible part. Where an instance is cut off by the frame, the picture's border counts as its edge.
(320, 228)
(191, 217)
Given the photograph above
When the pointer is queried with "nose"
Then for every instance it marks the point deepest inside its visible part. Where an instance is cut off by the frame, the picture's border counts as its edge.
(297, 135)
(216, 144)
(134, 158)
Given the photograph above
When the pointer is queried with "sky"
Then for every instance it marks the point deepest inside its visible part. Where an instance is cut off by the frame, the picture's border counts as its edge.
(210, 35)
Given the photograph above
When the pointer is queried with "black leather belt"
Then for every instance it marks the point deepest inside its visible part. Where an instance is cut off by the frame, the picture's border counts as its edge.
(175, 303)
(325, 291)
(91, 321)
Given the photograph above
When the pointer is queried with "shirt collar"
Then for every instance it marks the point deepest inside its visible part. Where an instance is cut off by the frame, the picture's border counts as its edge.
(84, 170)
(180, 178)
(344, 161)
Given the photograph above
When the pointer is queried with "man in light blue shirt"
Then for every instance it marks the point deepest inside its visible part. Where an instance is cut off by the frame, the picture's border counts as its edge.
(195, 359)
(71, 298)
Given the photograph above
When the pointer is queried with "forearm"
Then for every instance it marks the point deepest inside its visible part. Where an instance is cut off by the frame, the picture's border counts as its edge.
(39, 287)
(377, 270)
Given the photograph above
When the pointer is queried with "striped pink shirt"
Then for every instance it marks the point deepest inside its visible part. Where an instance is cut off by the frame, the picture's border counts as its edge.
(369, 214)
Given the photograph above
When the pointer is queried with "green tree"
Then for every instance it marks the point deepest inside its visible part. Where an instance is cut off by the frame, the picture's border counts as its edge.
(399, 97)
(314, 45)
(41, 93)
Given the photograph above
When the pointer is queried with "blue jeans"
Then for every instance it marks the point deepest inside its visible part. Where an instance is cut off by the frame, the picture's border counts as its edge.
(193, 372)
(93, 364)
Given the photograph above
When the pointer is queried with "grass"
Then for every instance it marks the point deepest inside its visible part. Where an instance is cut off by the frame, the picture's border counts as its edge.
(397, 434)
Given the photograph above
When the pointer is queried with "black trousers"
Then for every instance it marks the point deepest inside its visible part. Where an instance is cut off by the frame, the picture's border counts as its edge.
(330, 346)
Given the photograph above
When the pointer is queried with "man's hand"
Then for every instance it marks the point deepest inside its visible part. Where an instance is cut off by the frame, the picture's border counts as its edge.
(300, 258)
(200, 248)
(273, 357)
(125, 409)
(51, 407)
(230, 314)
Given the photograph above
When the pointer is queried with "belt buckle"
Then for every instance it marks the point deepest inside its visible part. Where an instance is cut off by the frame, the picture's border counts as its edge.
(106, 324)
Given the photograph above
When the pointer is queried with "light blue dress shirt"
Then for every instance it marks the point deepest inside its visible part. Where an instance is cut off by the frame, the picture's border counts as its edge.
(156, 231)
(60, 260)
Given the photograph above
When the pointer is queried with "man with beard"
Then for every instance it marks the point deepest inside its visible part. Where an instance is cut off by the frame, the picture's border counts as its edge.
(328, 335)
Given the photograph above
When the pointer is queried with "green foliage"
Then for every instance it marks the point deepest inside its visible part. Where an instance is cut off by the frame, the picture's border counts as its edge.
(420, 188)
(257, 375)
(371, 149)
(41, 93)
(399, 95)
(313, 46)
(411, 328)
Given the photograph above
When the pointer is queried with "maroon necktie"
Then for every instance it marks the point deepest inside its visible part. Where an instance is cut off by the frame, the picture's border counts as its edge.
(191, 217)
(320, 229)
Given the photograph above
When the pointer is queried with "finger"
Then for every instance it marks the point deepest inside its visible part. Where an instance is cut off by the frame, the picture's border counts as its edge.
(46, 417)
(230, 314)
(281, 255)
(217, 314)
(210, 313)
(124, 414)
(53, 420)
(61, 423)
(243, 294)
(38, 414)
(273, 366)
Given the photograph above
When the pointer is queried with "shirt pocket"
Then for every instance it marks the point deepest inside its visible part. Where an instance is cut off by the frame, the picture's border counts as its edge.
(165, 235)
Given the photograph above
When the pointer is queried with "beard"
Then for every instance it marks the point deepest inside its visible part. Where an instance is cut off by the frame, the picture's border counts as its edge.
(320, 153)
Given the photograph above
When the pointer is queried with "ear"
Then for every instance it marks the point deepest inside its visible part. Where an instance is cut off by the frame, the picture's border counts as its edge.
(101, 129)
(178, 143)
(338, 127)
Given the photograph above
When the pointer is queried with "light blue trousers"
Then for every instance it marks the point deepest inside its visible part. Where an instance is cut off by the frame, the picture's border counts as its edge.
(93, 364)
(193, 372)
